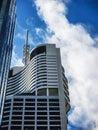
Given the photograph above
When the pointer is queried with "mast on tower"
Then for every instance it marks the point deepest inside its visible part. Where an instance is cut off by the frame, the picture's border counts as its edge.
(26, 50)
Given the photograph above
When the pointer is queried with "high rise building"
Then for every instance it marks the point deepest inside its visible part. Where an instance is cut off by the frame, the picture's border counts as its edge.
(37, 96)
(7, 25)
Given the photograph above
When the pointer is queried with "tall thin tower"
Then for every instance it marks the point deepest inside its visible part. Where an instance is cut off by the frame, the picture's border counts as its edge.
(26, 48)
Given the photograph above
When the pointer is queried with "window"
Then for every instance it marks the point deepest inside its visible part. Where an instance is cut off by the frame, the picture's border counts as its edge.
(17, 113)
(30, 108)
(29, 117)
(42, 108)
(18, 104)
(6, 118)
(41, 113)
(7, 109)
(53, 104)
(16, 117)
(29, 122)
(54, 108)
(54, 113)
(53, 100)
(55, 128)
(41, 104)
(6, 113)
(29, 113)
(42, 100)
(53, 92)
(5, 123)
(17, 108)
(18, 99)
(54, 122)
(55, 118)
(42, 118)
(42, 128)
(42, 122)
(28, 127)
(16, 127)
(30, 100)
(29, 104)
(16, 122)
(42, 92)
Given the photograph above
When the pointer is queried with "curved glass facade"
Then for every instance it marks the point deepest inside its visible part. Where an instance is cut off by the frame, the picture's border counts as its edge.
(37, 97)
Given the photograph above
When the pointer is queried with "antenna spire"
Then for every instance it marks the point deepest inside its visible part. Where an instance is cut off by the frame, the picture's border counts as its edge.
(26, 50)
(27, 34)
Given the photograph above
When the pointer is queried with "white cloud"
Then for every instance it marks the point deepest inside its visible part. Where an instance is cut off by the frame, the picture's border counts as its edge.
(16, 61)
(31, 40)
(21, 36)
(38, 31)
(79, 57)
(21, 32)
(29, 21)
(41, 33)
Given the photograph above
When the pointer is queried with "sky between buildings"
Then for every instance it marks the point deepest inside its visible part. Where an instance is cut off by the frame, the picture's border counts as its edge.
(73, 26)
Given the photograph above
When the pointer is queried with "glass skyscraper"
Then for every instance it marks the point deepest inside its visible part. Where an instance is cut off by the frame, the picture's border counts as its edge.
(7, 25)
(37, 96)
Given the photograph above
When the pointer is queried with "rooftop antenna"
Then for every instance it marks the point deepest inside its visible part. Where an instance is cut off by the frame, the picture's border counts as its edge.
(27, 34)
(26, 50)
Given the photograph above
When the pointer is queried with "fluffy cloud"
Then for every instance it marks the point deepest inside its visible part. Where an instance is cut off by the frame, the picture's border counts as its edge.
(21, 36)
(80, 59)
(29, 21)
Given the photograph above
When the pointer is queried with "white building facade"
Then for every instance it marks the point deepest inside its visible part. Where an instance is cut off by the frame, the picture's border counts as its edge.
(37, 96)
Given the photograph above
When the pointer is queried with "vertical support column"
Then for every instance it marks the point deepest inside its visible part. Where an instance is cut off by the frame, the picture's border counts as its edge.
(48, 114)
(36, 112)
(10, 118)
(23, 113)
(61, 93)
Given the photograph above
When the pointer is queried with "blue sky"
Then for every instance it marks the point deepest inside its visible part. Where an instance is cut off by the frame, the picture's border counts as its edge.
(79, 11)
(73, 26)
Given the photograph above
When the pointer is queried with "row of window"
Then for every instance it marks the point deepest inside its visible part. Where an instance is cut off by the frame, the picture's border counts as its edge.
(32, 122)
(33, 108)
(18, 103)
(32, 117)
(32, 100)
(33, 127)
(31, 113)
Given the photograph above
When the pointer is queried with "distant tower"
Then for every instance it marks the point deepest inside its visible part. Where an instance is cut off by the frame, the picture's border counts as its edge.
(26, 48)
